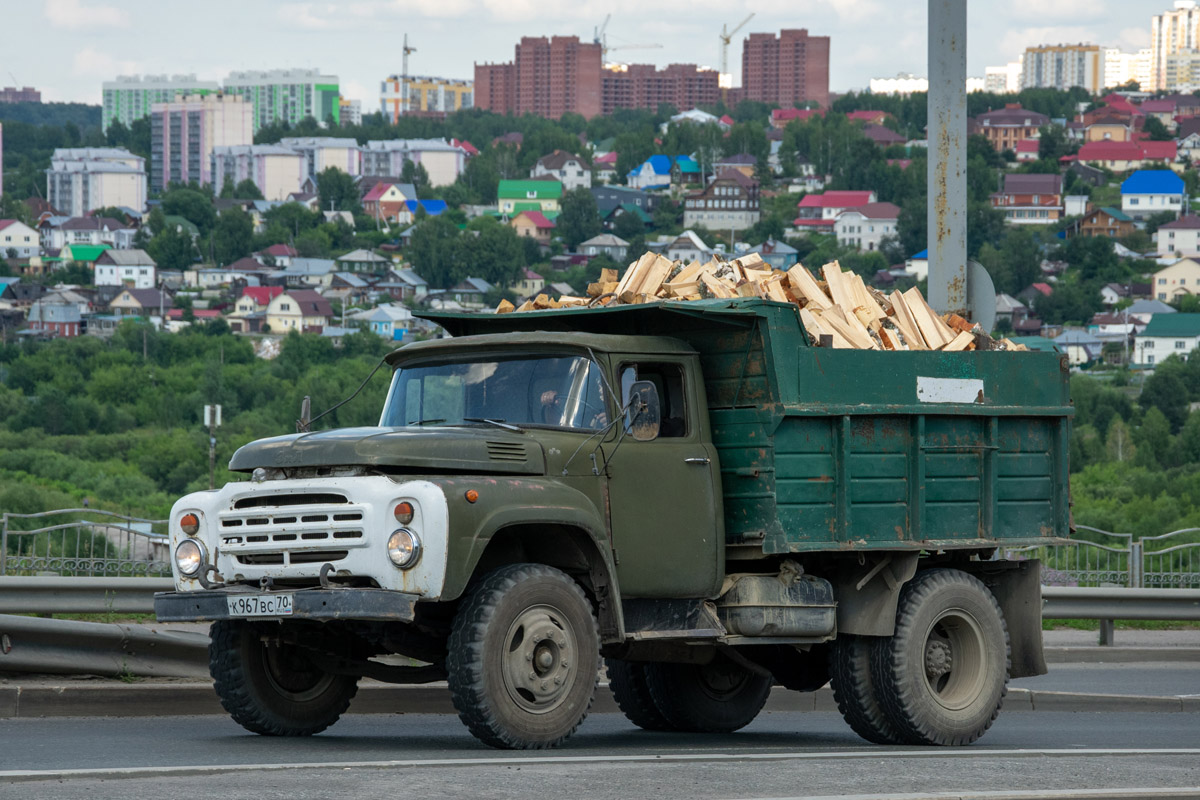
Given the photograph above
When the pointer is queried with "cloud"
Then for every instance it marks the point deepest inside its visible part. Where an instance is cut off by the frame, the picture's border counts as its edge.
(1015, 41)
(74, 14)
(1042, 11)
(1134, 38)
(90, 62)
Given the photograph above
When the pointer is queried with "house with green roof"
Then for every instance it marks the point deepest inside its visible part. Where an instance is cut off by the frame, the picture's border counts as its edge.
(1102, 221)
(1166, 335)
(85, 254)
(531, 195)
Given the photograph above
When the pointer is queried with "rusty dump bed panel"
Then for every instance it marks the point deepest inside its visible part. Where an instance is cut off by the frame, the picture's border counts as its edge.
(846, 449)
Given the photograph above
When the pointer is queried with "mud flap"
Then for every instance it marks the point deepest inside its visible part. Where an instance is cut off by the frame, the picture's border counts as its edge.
(1017, 587)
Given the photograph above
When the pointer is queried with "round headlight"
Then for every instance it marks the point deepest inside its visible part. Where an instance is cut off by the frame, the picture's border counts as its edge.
(189, 557)
(190, 524)
(403, 548)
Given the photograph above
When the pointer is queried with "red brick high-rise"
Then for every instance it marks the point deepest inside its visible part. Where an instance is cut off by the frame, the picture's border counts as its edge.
(684, 86)
(547, 77)
(550, 77)
(791, 68)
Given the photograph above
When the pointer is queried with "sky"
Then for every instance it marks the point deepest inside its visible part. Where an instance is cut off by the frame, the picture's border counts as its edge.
(75, 45)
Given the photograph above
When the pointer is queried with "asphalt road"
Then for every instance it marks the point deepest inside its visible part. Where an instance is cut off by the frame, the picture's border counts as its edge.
(1156, 679)
(779, 755)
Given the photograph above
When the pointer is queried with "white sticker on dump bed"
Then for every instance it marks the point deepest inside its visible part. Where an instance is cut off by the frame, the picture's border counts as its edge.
(949, 390)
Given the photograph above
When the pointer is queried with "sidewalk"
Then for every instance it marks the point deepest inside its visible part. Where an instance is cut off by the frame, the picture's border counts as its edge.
(70, 695)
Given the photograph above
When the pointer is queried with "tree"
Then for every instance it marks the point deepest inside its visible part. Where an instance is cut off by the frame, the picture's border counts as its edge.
(192, 205)
(1155, 129)
(233, 236)
(1165, 392)
(1158, 219)
(627, 225)
(432, 251)
(172, 249)
(416, 174)
(247, 190)
(336, 190)
(579, 219)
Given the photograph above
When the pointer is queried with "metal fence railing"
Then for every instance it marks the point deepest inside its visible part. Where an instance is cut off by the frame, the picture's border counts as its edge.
(83, 542)
(1103, 558)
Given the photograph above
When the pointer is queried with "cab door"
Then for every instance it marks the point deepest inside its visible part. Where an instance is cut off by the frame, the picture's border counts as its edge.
(665, 495)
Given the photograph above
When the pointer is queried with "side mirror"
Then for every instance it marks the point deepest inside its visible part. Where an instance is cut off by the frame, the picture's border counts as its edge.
(643, 411)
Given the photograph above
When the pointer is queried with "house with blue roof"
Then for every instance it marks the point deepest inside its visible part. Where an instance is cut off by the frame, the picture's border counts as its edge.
(917, 265)
(1151, 191)
(653, 173)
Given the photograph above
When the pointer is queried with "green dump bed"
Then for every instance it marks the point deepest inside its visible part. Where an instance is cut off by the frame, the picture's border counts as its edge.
(847, 449)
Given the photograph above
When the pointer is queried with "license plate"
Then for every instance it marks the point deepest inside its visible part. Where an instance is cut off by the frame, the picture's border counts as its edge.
(260, 605)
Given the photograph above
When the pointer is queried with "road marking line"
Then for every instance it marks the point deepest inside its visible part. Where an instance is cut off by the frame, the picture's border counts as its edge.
(659, 758)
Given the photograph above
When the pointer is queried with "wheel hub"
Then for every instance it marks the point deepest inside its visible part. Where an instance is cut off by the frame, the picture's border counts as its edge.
(939, 659)
(540, 663)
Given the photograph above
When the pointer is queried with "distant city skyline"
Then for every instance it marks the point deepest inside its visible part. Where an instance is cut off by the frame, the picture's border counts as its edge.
(360, 40)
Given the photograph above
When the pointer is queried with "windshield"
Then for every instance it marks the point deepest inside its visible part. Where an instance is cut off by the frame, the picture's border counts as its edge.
(560, 392)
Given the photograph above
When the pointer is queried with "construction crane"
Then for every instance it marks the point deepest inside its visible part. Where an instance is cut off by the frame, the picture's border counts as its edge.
(598, 33)
(601, 38)
(726, 36)
(404, 90)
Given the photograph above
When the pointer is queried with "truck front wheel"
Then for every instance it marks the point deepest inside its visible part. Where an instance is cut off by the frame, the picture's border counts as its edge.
(942, 677)
(269, 686)
(524, 657)
(718, 697)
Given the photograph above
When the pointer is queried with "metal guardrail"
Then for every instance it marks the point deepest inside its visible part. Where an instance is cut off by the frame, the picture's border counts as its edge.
(53, 595)
(1081, 602)
(83, 541)
(66, 647)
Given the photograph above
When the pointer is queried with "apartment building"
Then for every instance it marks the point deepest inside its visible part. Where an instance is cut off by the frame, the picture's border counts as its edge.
(282, 95)
(442, 161)
(547, 77)
(276, 171)
(26, 94)
(322, 152)
(82, 179)
(790, 68)
(1171, 33)
(184, 131)
(1063, 66)
(131, 97)
(424, 95)
(684, 86)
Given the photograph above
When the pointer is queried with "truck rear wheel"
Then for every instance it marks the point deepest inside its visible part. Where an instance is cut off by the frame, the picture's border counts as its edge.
(854, 691)
(630, 686)
(943, 675)
(524, 657)
(718, 697)
(271, 687)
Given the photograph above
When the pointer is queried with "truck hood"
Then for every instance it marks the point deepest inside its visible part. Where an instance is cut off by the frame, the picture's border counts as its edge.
(472, 450)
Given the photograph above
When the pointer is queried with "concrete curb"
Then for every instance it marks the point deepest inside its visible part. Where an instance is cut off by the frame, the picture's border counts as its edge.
(195, 698)
(1120, 655)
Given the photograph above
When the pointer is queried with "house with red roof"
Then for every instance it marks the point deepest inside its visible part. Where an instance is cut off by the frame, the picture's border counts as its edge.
(606, 167)
(882, 136)
(280, 255)
(725, 122)
(869, 117)
(531, 283)
(388, 202)
(250, 310)
(533, 224)
(819, 211)
(865, 227)
(1006, 126)
(1163, 110)
(1033, 199)
(780, 117)
(1125, 156)
(1027, 150)
(468, 148)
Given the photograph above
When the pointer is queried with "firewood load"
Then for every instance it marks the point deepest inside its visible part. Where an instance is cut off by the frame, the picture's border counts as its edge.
(837, 308)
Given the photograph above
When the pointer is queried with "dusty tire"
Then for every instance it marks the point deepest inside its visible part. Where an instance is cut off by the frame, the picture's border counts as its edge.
(273, 689)
(524, 657)
(718, 697)
(854, 691)
(631, 689)
(943, 675)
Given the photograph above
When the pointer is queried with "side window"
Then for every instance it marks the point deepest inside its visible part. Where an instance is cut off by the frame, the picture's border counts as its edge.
(668, 380)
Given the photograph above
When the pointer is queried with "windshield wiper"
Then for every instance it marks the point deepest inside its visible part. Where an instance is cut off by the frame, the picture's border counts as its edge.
(499, 423)
(424, 421)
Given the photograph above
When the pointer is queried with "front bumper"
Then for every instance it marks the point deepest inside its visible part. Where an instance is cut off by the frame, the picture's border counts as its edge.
(309, 604)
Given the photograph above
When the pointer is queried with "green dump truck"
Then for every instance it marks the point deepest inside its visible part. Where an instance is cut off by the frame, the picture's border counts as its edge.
(688, 493)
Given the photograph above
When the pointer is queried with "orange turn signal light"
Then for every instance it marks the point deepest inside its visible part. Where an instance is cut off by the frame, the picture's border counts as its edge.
(404, 513)
(472, 495)
(190, 524)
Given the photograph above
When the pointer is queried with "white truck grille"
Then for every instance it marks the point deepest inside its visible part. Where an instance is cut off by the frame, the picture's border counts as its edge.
(283, 530)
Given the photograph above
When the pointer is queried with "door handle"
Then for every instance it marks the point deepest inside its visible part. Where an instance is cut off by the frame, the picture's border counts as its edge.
(697, 461)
